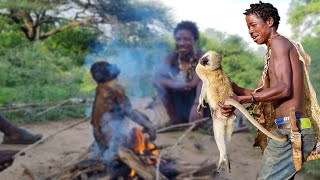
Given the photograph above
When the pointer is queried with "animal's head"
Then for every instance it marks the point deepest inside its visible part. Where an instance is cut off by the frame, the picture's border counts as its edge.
(210, 61)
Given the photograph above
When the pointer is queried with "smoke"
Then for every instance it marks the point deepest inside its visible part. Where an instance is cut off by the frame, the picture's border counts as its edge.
(116, 132)
(137, 64)
(119, 131)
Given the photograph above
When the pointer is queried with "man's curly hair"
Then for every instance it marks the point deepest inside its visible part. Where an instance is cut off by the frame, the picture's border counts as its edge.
(264, 11)
(188, 25)
(103, 71)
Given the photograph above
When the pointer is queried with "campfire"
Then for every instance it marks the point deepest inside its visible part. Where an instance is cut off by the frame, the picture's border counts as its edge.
(130, 155)
(146, 151)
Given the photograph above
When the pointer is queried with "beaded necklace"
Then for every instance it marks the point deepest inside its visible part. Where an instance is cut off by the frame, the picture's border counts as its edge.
(188, 68)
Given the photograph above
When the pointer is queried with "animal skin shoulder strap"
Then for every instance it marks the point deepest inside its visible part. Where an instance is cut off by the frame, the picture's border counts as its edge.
(311, 103)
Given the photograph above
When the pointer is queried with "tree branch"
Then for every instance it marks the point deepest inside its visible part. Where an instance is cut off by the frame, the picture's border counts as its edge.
(71, 25)
(28, 24)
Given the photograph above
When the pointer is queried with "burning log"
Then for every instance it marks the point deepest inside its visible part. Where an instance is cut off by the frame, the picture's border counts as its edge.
(144, 171)
(137, 161)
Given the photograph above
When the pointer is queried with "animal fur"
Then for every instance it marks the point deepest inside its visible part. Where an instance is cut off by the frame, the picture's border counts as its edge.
(215, 88)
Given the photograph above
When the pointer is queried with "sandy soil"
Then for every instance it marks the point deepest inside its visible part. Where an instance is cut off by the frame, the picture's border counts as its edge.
(57, 152)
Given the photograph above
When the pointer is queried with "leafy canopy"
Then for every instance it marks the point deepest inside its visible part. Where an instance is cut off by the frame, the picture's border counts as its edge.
(304, 16)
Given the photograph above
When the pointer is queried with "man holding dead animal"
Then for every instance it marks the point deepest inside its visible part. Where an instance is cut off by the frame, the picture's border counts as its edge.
(283, 88)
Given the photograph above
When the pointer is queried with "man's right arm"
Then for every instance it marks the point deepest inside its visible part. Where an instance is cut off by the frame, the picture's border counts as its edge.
(240, 91)
(242, 96)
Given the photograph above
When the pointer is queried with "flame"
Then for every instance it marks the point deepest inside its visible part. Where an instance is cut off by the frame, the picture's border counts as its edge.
(147, 150)
(139, 144)
(132, 173)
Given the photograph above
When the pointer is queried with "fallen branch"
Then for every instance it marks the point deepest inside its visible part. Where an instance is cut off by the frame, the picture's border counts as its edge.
(49, 109)
(80, 157)
(205, 172)
(193, 125)
(181, 126)
(48, 137)
(10, 107)
(78, 169)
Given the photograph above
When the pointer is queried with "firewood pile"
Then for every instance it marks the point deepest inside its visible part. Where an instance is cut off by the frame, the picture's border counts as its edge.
(169, 168)
(141, 160)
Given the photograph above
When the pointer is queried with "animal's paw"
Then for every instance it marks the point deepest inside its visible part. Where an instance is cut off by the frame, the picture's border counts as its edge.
(199, 108)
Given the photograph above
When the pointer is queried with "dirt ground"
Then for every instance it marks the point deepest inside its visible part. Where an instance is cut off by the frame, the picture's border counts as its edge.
(196, 147)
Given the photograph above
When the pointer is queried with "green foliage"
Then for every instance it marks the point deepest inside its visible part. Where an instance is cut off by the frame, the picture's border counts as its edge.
(9, 36)
(303, 15)
(45, 71)
(30, 75)
(40, 19)
(38, 76)
(311, 46)
(74, 43)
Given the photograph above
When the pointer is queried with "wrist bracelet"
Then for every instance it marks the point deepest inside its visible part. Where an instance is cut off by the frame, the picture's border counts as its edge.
(253, 99)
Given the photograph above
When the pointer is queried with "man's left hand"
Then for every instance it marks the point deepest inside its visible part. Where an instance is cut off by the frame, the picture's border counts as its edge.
(227, 110)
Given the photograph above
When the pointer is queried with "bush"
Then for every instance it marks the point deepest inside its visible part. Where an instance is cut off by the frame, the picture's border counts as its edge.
(42, 72)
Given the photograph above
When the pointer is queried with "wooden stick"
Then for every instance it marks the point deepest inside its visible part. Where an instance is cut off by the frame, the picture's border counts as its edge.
(80, 157)
(70, 171)
(182, 126)
(201, 170)
(49, 109)
(175, 144)
(50, 103)
(143, 170)
(48, 137)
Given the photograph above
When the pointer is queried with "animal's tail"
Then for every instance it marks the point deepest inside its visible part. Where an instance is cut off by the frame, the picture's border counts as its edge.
(237, 105)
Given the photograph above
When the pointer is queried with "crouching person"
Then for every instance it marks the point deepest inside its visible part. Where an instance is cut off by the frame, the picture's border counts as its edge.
(110, 108)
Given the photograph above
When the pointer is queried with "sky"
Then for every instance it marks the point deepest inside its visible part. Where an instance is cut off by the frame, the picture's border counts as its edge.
(224, 15)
